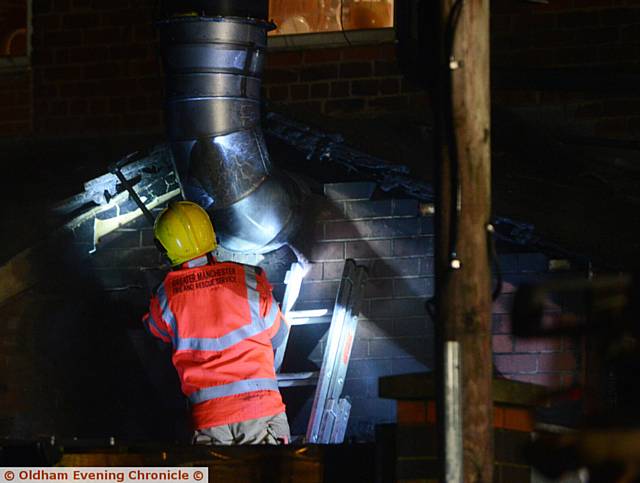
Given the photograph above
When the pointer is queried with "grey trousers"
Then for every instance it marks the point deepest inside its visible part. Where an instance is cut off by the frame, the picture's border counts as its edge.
(267, 430)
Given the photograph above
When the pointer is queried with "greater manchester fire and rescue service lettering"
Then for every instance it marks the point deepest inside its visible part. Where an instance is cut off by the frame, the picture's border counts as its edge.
(204, 279)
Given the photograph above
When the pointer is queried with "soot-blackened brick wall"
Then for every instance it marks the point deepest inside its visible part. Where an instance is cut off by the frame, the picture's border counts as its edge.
(78, 362)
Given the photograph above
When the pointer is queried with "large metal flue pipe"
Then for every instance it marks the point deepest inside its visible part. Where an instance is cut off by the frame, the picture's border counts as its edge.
(213, 67)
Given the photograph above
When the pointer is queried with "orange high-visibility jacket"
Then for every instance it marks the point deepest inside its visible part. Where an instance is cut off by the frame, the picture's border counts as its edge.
(223, 324)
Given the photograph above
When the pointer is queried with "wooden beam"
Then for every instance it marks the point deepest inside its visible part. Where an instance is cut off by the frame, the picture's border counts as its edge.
(463, 283)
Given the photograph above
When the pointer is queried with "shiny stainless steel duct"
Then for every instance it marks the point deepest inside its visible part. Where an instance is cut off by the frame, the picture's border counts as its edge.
(213, 68)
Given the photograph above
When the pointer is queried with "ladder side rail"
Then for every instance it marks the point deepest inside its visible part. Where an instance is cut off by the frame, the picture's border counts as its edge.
(337, 322)
(348, 333)
(293, 279)
(336, 425)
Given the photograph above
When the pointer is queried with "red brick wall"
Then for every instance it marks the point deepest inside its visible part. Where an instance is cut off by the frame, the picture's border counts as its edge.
(340, 80)
(96, 67)
(550, 362)
(15, 103)
(597, 35)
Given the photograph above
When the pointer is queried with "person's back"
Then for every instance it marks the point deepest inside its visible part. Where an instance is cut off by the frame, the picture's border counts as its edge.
(223, 324)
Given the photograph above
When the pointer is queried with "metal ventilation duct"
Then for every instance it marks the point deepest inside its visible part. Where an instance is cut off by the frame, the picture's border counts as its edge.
(213, 67)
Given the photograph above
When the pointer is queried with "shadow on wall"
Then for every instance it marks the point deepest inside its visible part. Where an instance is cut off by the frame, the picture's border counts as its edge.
(394, 334)
(77, 361)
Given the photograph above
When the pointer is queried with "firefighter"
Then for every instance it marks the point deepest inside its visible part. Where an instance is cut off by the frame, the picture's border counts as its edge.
(223, 324)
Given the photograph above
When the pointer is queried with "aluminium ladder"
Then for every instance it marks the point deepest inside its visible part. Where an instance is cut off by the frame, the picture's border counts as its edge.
(330, 412)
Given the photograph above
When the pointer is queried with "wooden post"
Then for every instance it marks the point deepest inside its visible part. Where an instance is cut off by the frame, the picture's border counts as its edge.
(463, 283)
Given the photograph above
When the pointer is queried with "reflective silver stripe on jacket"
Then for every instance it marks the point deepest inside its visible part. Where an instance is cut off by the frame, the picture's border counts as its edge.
(280, 335)
(167, 314)
(272, 315)
(233, 388)
(198, 262)
(257, 324)
(152, 321)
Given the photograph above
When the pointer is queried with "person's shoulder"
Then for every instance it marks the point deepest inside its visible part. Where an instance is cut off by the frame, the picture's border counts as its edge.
(257, 270)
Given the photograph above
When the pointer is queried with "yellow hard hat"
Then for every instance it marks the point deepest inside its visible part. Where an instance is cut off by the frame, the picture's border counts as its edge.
(184, 230)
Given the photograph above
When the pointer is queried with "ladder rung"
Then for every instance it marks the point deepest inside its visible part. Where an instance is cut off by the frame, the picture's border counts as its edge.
(301, 314)
(309, 321)
(298, 379)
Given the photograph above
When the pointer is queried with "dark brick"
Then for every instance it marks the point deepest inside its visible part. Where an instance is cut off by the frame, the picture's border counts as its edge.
(501, 324)
(315, 272)
(533, 262)
(503, 304)
(319, 72)
(280, 76)
(340, 89)
(78, 20)
(399, 347)
(397, 307)
(361, 387)
(395, 267)
(327, 251)
(370, 368)
(426, 225)
(379, 288)
(413, 287)
(364, 87)
(332, 270)
(319, 90)
(300, 92)
(373, 408)
(283, 59)
(502, 343)
(316, 56)
(561, 361)
(121, 239)
(278, 92)
(374, 329)
(405, 207)
(618, 16)
(360, 348)
(386, 68)
(413, 326)
(355, 69)
(389, 86)
(349, 191)
(368, 249)
(413, 246)
(115, 278)
(368, 209)
(389, 102)
(408, 366)
(332, 210)
(426, 266)
(509, 364)
(343, 106)
(377, 228)
(537, 345)
(147, 238)
(508, 263)
(318, 290)
(131, 258)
